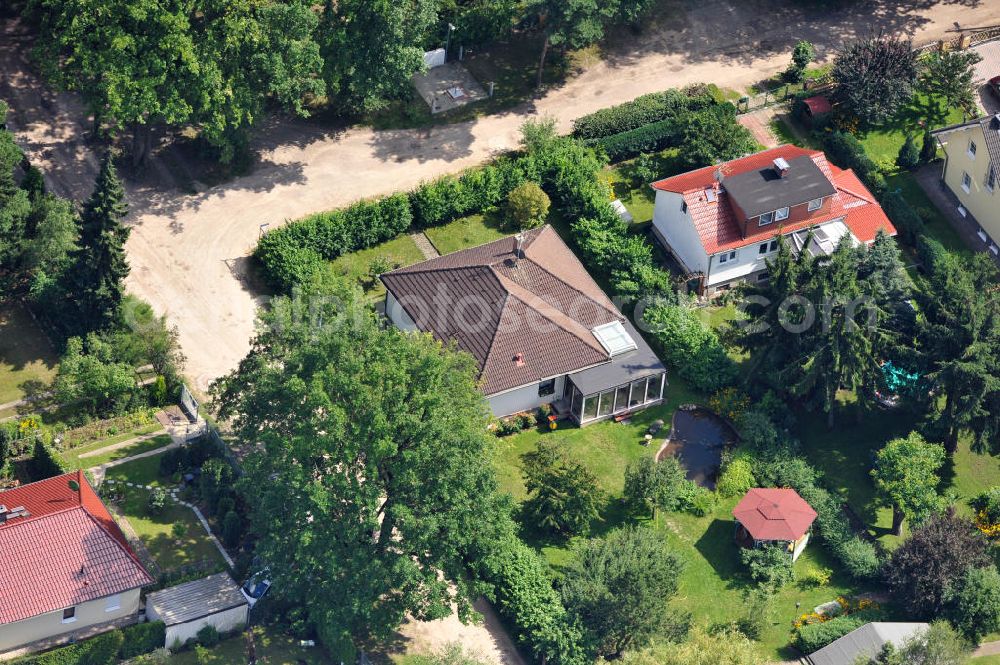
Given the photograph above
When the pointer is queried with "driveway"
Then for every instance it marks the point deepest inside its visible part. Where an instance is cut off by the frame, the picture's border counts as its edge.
(188, 252)
(987, 69)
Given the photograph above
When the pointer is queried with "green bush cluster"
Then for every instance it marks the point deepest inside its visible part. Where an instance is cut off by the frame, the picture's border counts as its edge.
(641, 111)
(690, 347)
(450, 197)
(522, 592)
(736, 477)
(903, 216)
(515, 424)
(815, 636)
(846, 151)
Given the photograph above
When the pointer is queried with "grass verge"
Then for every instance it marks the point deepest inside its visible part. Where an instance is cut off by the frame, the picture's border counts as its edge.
(27, 359)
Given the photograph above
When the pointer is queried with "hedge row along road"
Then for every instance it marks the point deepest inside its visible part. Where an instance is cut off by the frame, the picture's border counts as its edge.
(188, 251)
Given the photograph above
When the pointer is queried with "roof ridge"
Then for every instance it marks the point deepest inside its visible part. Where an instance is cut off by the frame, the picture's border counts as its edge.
(39, 482)
(849, 190)
(595, 345)
(613, 311)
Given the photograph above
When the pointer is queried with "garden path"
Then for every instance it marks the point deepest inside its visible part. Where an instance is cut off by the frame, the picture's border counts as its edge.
(423, 243)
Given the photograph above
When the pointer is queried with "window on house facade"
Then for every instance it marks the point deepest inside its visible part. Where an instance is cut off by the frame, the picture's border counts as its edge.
(966, 182)
(766, 218)
(781, 213)
(762, 249)
(815, 204)
(725, 258)
(112, 603)
(684, 206)
(972, 149)
(774, 245)
(991, 178)
(546, 388)
(69, 615)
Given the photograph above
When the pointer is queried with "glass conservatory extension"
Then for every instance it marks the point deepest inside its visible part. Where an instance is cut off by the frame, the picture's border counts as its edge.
(595, 405)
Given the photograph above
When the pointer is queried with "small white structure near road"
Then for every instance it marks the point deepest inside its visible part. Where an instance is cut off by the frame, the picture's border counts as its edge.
(187, 608)
(435, 58)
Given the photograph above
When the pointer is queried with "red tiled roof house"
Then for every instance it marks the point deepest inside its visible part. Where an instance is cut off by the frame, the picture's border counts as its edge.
(721, 223)
(774, 516)
(65, 566)
(540, 328)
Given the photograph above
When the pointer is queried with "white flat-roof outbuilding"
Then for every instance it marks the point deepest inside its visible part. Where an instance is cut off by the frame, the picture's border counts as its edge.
(187, 608)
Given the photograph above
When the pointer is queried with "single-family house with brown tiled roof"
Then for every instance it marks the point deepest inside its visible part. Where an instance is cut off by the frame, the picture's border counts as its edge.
(65, 566)
(538, 325)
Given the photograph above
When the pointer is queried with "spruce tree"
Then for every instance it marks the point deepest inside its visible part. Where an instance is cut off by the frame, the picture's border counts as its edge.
(928, 152)
(99, 264)
(908, 156)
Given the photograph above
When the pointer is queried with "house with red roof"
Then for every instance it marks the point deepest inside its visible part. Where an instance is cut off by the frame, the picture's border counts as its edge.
(66, 568)
(774, 516)
(722, 223)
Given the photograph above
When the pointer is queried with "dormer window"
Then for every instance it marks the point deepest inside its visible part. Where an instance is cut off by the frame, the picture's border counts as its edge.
(766, 218)
(781, 213)
(815, 204)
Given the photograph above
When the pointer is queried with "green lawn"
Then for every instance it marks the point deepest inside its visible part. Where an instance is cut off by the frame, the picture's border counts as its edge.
(883, 143)
(271, 649)
(470, 231)
(155, 531)
(75, 461)
(145, 471)
(27, 360)
(985, 660)
(634, 190)
(400, 251)
(713, 582)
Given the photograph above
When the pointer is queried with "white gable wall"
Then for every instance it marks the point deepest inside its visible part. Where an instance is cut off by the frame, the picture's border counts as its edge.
(674, 227)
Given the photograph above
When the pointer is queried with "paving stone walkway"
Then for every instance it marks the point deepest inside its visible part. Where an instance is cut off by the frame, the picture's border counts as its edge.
(423, 243)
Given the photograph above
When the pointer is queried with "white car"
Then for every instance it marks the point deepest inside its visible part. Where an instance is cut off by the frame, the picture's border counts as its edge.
(256, 587)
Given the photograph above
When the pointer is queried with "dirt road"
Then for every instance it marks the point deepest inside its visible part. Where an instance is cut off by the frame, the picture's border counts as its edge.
(188, 251)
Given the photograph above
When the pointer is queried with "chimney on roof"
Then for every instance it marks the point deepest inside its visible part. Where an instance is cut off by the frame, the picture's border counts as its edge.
(519, 360)
(781, 167)
(519, 246)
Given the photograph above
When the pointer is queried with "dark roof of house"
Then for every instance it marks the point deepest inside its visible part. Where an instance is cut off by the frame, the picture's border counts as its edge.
(524, 317)
(867, 641)
(762, 190)
(716, 223)
(67, 550)
(622, 368)
(991, 131)
(772, 513)
(196, 599)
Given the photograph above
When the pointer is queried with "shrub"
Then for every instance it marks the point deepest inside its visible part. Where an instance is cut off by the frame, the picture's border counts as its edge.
(645, 139)
(769, 566)
(639, 112)
(695, 499)
(860, 558)
(736, 477)
(818, 577)
(178, 530)
(100, 650)
(928, 149)
(987, 511)
(142, 638)
(690, 347)
(208, 635)
(232, 529)
(846, 151)
(528, 205)
(713, 136)
(903, 217)
(157, 501)
(909, 156)
(815, 636)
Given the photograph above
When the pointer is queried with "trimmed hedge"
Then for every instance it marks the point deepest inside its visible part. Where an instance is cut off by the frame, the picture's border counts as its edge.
(100, 650)
(641, 111)
(648, 138)
(142, 638)
(45, 462)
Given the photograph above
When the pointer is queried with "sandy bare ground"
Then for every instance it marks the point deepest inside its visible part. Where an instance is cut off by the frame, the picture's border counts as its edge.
(188, 252)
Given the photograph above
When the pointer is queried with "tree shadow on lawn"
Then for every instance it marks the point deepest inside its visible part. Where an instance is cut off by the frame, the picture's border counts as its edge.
(717, 545)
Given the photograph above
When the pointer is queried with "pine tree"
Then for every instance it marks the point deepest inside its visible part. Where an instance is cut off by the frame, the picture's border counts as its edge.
(909, 156)
(928, 152)
(99, 264)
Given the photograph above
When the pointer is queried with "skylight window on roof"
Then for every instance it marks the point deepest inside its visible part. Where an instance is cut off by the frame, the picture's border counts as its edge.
(614, 338)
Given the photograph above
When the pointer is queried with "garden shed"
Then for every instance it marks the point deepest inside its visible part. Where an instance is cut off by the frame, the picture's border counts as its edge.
(774, 516)
(187, 608)
(815, 107)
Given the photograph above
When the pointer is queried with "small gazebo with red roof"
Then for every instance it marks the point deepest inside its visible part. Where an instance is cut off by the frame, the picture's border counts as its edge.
(774, 516)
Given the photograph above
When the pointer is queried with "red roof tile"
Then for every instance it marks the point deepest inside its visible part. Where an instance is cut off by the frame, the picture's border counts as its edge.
(818, 104)
(774, 514)
(66, 551)
(716, 222)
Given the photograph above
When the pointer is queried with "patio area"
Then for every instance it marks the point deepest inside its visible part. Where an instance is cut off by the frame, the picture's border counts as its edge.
(448, 87)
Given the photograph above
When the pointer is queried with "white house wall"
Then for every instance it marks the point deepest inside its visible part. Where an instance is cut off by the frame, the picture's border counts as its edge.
(49, 625)
(675, 228)
(397, 314)
(224, 622)
(524, 398)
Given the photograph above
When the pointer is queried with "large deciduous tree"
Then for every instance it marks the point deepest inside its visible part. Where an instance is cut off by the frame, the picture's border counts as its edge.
(973, 602)
(875, 77)
(950, 75)
(619, 587)
(370, 473)
(906, 478)
(569, 24)
(563, 496)
(935, 555)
